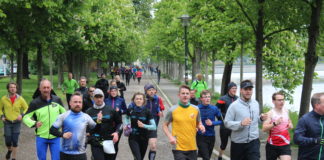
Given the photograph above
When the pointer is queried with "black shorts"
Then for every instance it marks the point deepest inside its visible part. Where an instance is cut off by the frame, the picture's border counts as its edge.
(187, 155)
(152, 134)
(64, 156)
(273, 152)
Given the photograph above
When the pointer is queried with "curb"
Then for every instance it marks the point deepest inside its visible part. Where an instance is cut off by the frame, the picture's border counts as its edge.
(170, 104)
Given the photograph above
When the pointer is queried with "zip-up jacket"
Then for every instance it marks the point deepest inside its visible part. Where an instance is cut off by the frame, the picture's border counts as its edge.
(198, 86)
(45, 112)
(12, 111)
(309, 130)
(224, 102)
(121, 86)
(238, 111)
(117, 102)
(209, 112)
(70, 86)
(152, 103)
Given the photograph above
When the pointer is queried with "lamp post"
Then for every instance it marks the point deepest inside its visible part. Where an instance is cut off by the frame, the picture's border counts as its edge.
(185, 19)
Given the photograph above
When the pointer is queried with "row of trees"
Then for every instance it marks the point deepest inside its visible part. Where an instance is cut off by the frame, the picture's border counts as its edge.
(282, 37)
(71, 33)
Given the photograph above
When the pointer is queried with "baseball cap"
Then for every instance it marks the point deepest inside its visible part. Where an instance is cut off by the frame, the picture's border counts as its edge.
(98, 91)
(148, 86)
(113, 87)
(246, 84)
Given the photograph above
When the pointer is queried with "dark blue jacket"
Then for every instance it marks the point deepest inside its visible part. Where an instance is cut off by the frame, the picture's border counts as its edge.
(309, 129)
(153, 105)
(116, 102)
(209, 112)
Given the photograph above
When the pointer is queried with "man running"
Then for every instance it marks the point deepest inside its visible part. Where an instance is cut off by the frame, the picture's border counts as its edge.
(83, 86)
(108, 129)
(12, 109)
(277, 124)
(309, 132)
(242, 117)
(74, 124)
(199, 85)
(185, 119)
(69, 86)
(223, 103)
(41, 114)
(103, 84)
(208, 112)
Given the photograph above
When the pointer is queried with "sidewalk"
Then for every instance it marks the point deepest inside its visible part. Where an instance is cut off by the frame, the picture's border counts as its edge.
(170, 92)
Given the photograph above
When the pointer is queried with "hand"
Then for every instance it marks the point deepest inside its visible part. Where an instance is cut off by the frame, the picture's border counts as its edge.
(140, 124)
(115, 137)
(99, 116)
(67, 135)
(201, 128)
(161, 114)
(19, 118)
(290, 125)
(208, 122)
(278, 121)
(3, 118)
(38, 124)
(246, 122)
(172, 140)
(264, 116)
(117, 109)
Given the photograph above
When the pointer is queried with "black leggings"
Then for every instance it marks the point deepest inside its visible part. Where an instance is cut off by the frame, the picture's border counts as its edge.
(99, 154)
(139, 79)
(138, 145)
(224, 134)
(205, 146)
(64, 156)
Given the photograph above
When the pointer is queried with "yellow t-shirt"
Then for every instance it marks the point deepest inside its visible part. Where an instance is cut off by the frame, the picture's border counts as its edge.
(184, 123)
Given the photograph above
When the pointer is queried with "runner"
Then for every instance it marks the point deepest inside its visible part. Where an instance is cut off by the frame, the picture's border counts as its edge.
(193, 99)
(88, 99)
(242, 117)
(108, 128)
(199, 85)
(309, 132)
(121, 86)
(223, 103)
(119, 105)
(69, 86)
(153, 104)
(277, 124)
(103, 84)
(139, 74)
(12, 109)
(206, 141)
(41, 114)
(185, 119)
(141, 122)
(83, 86)
(74, 124)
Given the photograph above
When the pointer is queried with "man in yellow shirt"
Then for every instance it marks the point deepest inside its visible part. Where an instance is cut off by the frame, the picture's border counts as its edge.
(12, 109)
(185, 119)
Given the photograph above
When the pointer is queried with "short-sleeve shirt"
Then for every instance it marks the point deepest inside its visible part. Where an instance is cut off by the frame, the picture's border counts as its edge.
(184, 123)
(77, 124)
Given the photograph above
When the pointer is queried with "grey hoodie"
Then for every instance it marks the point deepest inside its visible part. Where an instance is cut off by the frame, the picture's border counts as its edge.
(238, 111)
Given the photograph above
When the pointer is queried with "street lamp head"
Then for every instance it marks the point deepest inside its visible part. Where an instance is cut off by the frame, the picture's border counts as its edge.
(185, 19)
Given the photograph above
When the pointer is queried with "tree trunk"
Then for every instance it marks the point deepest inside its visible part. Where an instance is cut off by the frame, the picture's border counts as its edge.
(60, 72)
(25, 65)
(241, 60)
(226, 76)
(213, 71)
(39, 61)
(50, 63)
(20, 56)
(206, 66)
(258, 54)
(12, 66)
(181, 71)
(311, 57)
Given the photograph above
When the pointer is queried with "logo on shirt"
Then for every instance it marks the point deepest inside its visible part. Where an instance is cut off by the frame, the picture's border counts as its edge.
(192, 115)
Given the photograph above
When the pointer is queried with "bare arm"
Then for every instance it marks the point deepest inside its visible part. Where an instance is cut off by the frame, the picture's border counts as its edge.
(267, 125)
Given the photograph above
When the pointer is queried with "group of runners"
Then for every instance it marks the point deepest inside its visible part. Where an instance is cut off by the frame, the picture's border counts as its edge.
(98, 116)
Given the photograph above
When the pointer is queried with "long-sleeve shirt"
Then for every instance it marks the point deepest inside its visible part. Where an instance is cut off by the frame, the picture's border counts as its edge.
(309, 129)
(238, 111)
(69, 86)
(11, 110)
(209, 112)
